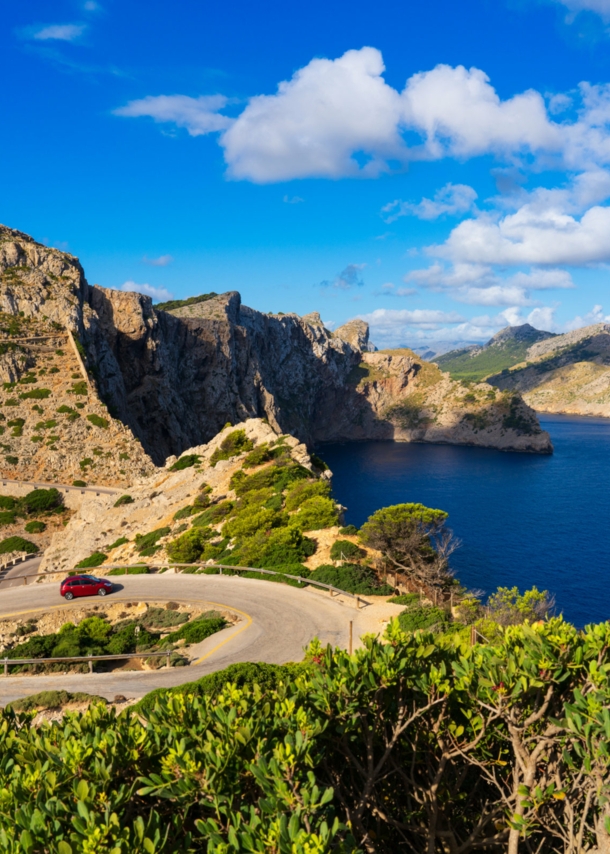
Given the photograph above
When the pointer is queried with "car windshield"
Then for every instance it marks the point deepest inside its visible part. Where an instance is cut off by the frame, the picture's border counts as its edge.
(91, 578)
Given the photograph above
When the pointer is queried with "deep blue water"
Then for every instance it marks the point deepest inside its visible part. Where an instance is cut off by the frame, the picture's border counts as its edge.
(524, 519)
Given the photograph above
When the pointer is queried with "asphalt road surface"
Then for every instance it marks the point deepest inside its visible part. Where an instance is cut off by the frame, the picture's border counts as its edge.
(276, 623)
(13, 577)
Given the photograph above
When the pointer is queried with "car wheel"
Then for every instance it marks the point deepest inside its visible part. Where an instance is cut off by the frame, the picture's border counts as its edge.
(69, 596)
(101, 591)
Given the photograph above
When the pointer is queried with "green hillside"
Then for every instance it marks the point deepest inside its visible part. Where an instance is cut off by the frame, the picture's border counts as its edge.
(464, 366)
(507, 348)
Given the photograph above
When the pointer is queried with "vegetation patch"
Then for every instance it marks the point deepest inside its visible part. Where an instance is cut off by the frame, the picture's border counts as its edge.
(346, 550)
(98, 421)
(170, 305)
(232, 445)
(352, 578)
(129, 570)
(17, 544)
(185, 462)
(124, 499)
(96, 559)
(35, 527)
(150, 540)
(36, 394)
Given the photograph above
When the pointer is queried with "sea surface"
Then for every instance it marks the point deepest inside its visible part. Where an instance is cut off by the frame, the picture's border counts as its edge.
(523, 519)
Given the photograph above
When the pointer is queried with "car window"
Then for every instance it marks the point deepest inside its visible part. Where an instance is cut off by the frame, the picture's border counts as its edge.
(75, 583)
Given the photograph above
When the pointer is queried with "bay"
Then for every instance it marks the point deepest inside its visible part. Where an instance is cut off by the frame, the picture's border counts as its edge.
(523, 519)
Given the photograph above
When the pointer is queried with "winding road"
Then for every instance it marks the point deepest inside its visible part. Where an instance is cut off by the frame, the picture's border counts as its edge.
(276, 623)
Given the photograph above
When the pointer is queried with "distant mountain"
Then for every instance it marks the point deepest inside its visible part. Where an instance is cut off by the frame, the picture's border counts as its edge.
(566, 373)
(507, 348)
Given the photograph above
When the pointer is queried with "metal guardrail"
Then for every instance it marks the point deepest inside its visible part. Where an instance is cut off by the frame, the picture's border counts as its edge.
(62, 487)
(74, 659)
(334, 591)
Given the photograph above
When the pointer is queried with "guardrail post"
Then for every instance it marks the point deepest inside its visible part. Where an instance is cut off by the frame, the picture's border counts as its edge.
(90, 665)
(167, 660)
(6, 666)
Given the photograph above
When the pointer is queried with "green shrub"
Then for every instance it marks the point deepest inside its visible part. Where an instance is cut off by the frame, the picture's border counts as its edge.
(303, 490)
(279, 547)
(187, 548)
(349, 529)
(98, 421)
(42, 501)
(406, 599)
(85, 463)
(345, 550)
(263, 454)
(276, 476)
(318, 462)
(124, 499)
(7, 518)
(232, 445)
(424, 617)
(11, 401)
(35, 527)
(351, 578)
(249, 521)
(79, 483)
(17, 544)
(129, 570)
(315, 513)
(120, 542)
(36, 394)
(185, 462)
(7, 502)
(148, 540)
(51, 700)
(12, 461)
(64, 409)
(214, 514)
(184, 513)
(197, 630)
(79, 388)
(163, 618)
(267, 676)
(96, 559)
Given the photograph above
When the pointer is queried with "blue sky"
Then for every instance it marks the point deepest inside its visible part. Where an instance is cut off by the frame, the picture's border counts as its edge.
(440, 169)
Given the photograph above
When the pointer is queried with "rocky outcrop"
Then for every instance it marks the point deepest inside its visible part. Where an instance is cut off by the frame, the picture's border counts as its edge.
(396, 395)
(98, 525)
(565, 374)
(172, 379)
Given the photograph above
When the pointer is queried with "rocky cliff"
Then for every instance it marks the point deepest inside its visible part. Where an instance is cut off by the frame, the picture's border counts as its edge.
(165, 381)
(567, 373)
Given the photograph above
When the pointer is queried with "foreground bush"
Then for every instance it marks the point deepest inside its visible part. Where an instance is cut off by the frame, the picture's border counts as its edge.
(417, 744)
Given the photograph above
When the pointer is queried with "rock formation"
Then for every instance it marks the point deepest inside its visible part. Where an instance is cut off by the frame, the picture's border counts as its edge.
(166, 381)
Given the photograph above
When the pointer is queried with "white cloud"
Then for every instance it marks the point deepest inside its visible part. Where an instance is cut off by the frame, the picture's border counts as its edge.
(450, 199)
(157, 294)
(292, 200)
(198, 115)
(161, 261)
(348, 278)
(58, 32)
(390, 318)
(460, 114)
(91, 6)
(390, 289)
(530, 236)
(478, 284)
(317, 121)
(596, 315)
(337, 118)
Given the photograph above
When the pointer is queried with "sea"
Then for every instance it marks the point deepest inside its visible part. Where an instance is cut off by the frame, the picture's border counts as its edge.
(523, 519)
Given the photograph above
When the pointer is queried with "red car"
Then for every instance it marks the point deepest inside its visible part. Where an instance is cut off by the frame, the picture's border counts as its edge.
(84, 585)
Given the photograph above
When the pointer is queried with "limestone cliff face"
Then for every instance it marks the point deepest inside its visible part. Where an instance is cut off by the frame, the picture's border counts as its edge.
(172, 379)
